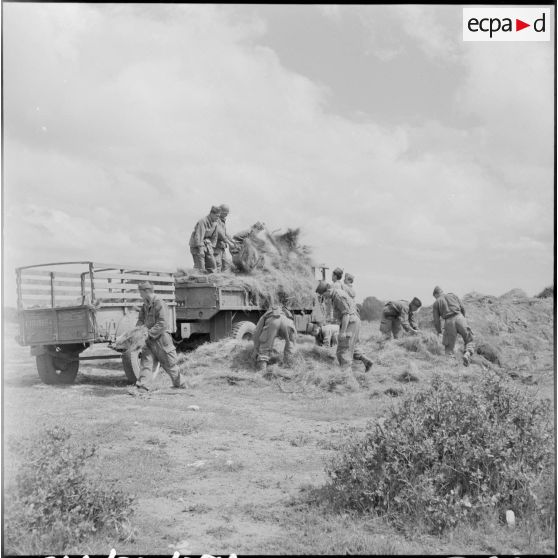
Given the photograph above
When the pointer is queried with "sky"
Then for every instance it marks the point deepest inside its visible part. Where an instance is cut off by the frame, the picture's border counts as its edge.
(406, 156)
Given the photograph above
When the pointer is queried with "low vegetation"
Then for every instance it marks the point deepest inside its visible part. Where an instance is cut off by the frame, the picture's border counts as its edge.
(450, 454)
(54, 503)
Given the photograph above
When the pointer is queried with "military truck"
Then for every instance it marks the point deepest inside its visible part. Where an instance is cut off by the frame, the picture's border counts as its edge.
(66, 308)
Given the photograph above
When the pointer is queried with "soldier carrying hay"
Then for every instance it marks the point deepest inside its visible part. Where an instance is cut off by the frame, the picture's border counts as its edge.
(159, 346)
(202, 242)
(397, 315)
(449, 308)
(345, 312)
(276, 322)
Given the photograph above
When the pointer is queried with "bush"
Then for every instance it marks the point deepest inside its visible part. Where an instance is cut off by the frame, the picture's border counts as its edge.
(54, 504)
(547, 292)
(371, 309)
(451, 454)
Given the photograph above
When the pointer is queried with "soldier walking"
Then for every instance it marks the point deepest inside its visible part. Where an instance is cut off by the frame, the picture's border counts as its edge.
(202, 242)
(345, 313)
(277, 322)
(448, 307)
(397, 315)
(159, 346)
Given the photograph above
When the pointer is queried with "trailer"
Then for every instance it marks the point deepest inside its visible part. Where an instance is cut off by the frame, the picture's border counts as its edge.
(64, 308)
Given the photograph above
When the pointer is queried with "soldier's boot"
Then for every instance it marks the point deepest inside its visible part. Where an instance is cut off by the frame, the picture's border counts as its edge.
(261, 365)
(467, 358)
(367, 363)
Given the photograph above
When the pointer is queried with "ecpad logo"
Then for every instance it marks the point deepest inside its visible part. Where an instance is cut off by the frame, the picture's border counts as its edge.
(506, 24)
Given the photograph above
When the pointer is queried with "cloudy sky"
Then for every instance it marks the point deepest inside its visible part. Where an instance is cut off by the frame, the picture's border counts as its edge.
(406, 156)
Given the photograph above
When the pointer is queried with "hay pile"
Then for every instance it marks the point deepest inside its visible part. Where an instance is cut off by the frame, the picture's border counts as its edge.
(283, 273)
(132, 340)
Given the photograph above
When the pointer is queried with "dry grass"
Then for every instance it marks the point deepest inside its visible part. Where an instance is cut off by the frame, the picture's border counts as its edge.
(132, 340)
(284, 274)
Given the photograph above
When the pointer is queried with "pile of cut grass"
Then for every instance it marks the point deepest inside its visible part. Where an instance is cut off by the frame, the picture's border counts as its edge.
(284, 274)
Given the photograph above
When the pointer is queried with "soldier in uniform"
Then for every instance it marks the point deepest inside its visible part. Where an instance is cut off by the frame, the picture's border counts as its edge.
(448, 307)
(222, 241)
(276, 322)
(336, 276)
(159, 346)
(327, 335)
(348, 285)
(202, 241)
(345, 313)
(397, 315)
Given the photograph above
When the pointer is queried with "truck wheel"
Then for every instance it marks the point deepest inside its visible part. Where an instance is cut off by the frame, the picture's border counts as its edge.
(58, 370)
(131, 365)
(243, 331)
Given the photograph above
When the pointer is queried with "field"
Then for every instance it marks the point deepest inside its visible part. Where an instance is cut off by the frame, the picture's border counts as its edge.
(229, 464)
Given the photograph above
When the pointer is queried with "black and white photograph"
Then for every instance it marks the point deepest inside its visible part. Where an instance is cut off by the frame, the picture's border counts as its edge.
(278, 279)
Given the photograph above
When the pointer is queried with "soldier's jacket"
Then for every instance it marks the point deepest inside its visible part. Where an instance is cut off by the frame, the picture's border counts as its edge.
(348, 289)
(242, 235)
(342, 304)
(154, 315)
(400, 309)
(220, 237)
(446, 306)
(203, 230)
(273, 313)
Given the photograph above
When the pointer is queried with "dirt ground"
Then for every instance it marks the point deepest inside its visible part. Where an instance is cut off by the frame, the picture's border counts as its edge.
(222, 467)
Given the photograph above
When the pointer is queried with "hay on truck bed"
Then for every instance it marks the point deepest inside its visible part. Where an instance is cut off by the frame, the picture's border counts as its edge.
(283, 274)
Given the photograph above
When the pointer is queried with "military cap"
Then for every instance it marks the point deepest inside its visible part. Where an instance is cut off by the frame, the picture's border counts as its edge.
(349, 278)
(215, 209)
(416, 302)
(145, 286)
(224, 208)
(338, 271)
(437, 291)
(322, 287)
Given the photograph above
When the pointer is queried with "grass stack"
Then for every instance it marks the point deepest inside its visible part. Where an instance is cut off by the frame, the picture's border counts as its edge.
(283, 273)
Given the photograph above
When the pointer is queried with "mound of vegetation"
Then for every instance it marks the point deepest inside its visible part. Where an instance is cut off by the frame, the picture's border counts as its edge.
(450, 454)
(54, 504)
(547, 292)
(283, 273)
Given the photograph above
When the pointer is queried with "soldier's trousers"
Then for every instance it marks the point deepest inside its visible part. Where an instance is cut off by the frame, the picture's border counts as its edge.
(273, 328)
(222, 262)
(160, 350)
(204, 261)
(454, 326)
(390, 325)
(347, 347)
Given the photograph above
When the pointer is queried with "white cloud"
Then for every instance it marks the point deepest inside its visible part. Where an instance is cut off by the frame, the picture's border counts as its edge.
(154, 113)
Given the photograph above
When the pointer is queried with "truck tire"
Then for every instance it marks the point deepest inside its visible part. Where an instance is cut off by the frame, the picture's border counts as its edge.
(57, 370)
(243, 331)
(131, 365)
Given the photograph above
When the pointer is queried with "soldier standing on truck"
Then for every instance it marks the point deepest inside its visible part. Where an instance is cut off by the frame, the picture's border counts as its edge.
(348, 285)
(345, 312)
(222, 241)
(397, 315)
(202, 242)
(449, 308)
(159, 346)
(276, 322)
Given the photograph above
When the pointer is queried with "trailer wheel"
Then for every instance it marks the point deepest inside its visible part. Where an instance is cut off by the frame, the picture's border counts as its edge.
(58, 370)
(243, 331)
(131, 365)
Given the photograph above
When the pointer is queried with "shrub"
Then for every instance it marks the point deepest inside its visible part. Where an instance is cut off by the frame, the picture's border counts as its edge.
(54, 503)
(451, 453)
(371, 309)
(547, 292)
